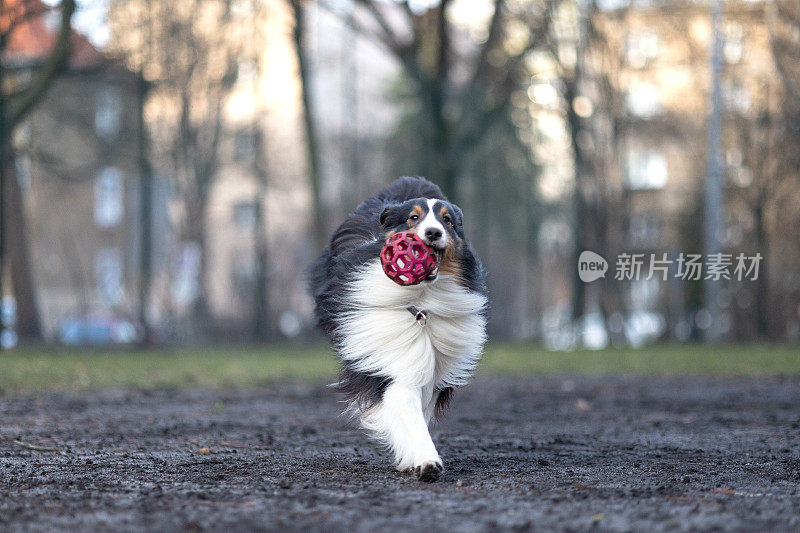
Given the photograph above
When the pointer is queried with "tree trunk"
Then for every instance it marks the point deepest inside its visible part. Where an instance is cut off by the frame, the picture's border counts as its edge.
(441, 171)
(762, 291)
(319, 230)
(196, 232)
(17, 253)
(145, 217)
(14, 254)
(4, 149)
(579, 203)
(262, 330)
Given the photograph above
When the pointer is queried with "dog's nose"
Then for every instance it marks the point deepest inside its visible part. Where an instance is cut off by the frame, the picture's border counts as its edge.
(433, 234)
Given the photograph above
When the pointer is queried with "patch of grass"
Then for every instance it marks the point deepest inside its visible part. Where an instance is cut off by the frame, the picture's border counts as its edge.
(29, 370)
(33, 370)
(660, 359)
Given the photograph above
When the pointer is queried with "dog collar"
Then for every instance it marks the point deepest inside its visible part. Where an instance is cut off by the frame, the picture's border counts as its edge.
(420, 316)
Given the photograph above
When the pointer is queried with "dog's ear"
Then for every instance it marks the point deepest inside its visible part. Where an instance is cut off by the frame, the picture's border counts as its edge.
(385, 214)
(459, 215)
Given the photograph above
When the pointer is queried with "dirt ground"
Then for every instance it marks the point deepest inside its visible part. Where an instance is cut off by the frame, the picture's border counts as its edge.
(556, 452)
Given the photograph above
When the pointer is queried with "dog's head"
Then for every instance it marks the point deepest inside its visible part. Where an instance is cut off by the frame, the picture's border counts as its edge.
(437, 222)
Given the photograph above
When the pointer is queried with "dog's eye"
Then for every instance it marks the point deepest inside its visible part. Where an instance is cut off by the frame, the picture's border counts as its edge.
(447, 220)
(413, 217)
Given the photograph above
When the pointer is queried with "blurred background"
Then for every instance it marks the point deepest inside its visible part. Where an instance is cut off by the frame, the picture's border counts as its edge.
(170, 168)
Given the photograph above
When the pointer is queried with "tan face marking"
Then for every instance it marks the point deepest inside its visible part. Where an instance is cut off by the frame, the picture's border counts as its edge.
(449, 265)
(416, 211)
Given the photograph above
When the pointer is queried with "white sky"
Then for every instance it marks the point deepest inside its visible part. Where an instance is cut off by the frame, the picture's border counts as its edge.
(90, 20)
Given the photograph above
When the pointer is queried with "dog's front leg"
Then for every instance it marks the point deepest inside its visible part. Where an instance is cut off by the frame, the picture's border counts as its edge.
(400, 421)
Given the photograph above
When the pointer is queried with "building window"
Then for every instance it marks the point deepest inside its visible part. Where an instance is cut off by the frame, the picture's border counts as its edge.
(22, 162)
(244, 215)
(736, 97)
(243, 275)
(108, 275)
(186, 284)
(23, 165)
(244, 146)
(108, 197)
(642, 48)
(246, 73)
(647, 169)
(643, 100)
(644, 294)
(242, 8)
(733, 157)
(52, 20)
(611, 5)
(107, 113)
(741, 176)
(734, 47)
(643, 231)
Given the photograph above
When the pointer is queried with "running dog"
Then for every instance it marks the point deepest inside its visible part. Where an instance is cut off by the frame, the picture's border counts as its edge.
(403, 348)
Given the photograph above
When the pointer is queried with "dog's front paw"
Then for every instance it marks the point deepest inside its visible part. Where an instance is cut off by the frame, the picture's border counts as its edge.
(429, 471)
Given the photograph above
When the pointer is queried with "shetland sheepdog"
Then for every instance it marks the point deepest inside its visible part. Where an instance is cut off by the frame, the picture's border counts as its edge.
(403, 349)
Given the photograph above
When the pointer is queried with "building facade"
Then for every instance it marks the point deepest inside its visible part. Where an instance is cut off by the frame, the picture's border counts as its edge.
(648, 77)
(77, 164)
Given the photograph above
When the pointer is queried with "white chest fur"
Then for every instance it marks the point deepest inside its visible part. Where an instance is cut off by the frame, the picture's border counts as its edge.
(381, 337)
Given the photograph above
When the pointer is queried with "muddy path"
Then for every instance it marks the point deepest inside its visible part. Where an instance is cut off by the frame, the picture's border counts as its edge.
(557, 452)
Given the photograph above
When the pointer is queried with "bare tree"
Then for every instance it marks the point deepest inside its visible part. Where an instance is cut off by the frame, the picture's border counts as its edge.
(461, 87)
(16, 102)
(191, 65)
(770, 145)
(763, 144)
(783, 21)
(466, 124)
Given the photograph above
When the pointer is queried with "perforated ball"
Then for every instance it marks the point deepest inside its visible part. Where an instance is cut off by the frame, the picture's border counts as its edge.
(406, 259)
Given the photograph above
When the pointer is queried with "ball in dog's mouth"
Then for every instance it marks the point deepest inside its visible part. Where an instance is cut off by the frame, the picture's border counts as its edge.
(407, 260)
(434, 272)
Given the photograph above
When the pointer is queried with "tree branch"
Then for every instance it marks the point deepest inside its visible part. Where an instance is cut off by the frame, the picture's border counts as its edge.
(786, 77)
(486, 120)
(495, 31)
(472, 111)
(49, 70)
(354, 26)
(389, 36)
(444, 42)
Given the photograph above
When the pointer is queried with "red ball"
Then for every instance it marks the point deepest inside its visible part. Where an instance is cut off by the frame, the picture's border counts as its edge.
(406, 259)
